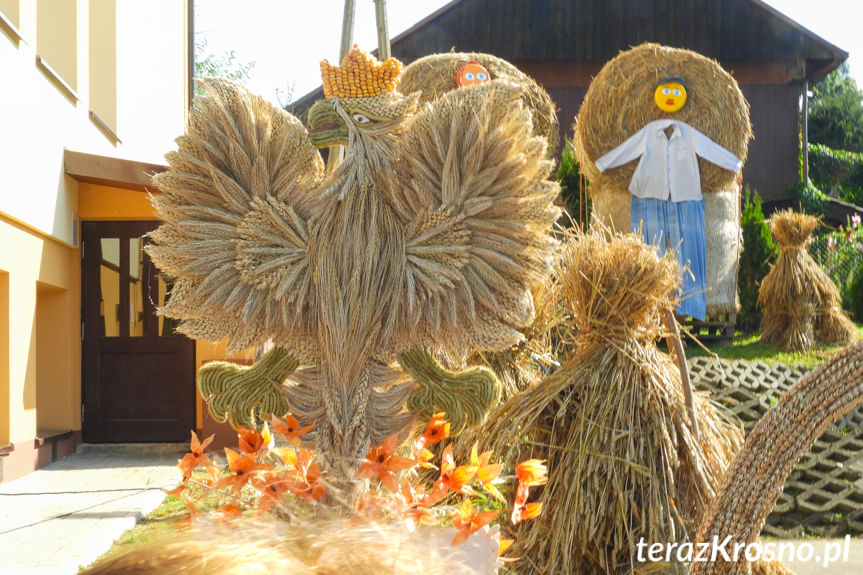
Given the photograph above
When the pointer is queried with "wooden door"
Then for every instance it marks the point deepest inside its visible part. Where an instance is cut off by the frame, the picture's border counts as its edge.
(138, 376)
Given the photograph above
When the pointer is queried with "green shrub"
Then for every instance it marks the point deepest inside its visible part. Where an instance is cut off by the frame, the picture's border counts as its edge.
(573, 186)
(809, 199)
(839, 253)
(852, 298)
(759, 253)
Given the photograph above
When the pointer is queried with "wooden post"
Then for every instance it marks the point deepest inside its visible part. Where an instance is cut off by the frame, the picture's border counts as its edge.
(347, 29)
(383, 34)
(337, 153)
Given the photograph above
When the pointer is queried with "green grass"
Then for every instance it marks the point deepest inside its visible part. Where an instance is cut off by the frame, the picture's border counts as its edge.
(750, 348)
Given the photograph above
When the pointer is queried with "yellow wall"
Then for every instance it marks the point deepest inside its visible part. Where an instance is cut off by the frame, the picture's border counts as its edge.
(41, 281)
(106, 203)
(5, 431)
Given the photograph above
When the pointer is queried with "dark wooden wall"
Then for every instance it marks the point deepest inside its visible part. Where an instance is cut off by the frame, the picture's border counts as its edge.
(599, 29)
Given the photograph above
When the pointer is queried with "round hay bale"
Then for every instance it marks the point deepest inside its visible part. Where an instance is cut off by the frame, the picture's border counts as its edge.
(436, 75)
(619, 102)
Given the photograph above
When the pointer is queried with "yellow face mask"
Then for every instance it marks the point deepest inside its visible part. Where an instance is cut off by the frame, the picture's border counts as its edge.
(670, 96)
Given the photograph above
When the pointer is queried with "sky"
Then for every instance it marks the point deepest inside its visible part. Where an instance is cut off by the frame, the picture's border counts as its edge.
(287, 39)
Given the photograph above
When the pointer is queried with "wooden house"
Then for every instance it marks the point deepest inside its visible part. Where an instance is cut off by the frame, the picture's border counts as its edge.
(564, 43)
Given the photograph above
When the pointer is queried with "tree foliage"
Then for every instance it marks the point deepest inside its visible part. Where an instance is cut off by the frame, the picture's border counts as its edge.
(223, 66)
(835, 132)
(836, 111)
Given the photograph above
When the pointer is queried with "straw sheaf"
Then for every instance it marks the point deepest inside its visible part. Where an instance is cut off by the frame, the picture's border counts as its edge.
(436, 75)
(801, 303)
(616, 287)
(240, 157)
(478, 210)
(623, 460)
(755, 478)
(619, 102)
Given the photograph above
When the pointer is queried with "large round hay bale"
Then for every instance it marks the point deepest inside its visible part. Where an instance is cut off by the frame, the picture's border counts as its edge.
(619, 102)
(435, 75)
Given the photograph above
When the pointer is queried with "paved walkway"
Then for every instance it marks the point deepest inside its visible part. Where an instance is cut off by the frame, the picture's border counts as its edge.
(67, 514)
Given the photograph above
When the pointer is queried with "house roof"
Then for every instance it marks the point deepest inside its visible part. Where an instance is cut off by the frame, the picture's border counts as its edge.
(596, 30)
(108, 171)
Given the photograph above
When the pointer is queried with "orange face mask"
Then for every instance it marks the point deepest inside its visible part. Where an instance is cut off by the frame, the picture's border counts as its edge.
(472, 73)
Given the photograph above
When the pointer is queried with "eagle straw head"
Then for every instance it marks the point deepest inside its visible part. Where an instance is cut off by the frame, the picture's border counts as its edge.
(360, 94)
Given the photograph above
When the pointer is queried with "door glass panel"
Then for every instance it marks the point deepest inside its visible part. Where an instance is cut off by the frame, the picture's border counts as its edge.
(109, 284)
(136, 287)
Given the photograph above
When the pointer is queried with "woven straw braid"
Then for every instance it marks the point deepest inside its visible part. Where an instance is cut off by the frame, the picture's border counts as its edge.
(755, 477)
(234, 392)
(466, 396)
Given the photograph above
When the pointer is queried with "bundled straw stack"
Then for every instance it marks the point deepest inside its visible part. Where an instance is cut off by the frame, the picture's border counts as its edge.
(623, 460)
(619, 102)
(801, 303)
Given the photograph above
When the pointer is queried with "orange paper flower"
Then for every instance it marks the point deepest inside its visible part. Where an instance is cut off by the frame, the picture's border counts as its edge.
(195, 458)
(452, 478)
(467, 521)
(290, 429)
(273, 487)
(436, 430)
(532, 472)
(486, 473)
(252, 441)
(243, 466)
(382, 463)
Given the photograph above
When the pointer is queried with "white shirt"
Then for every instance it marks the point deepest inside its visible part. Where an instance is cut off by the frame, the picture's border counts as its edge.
(668, 167)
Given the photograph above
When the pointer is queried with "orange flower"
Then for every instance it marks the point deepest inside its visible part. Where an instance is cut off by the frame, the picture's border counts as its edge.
(381, 462)
(466, 520)
(452, 478)
(487, 474)
(436, 430)
(273, 487)
(244, 467)
(526, 511)
(423, 457)
(532, 472)
(196, 458)
(521, 508)
(252, 441)
(290, 429)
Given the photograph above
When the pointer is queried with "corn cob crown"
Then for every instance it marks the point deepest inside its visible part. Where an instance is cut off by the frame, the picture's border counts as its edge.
(360, 76)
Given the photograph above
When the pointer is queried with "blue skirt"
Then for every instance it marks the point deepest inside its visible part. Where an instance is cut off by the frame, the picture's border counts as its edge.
(679, 225)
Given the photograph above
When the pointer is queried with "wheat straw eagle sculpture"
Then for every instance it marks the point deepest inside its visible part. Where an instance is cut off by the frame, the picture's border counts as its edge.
(426, 237)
